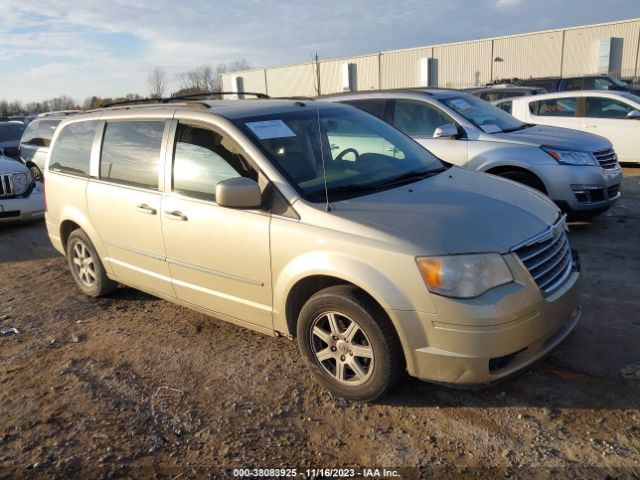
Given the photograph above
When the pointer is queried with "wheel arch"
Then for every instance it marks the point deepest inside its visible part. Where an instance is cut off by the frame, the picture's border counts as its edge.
(504, 168)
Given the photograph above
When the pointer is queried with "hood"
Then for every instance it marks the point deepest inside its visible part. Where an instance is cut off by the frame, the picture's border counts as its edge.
(457, 211)
(556, 137)
(9, 165)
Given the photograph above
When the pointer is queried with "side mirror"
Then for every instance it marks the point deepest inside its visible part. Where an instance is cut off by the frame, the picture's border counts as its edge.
(634, 114)
(446, 131)
(238, 192)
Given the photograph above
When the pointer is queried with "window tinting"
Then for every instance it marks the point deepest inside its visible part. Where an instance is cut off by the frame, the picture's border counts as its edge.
(574, 84)
(418, 119)
(131, 153)
(506, 106)
(374, 107)
(72, 151)
(599, 107)
(204, 158)
(561, 107)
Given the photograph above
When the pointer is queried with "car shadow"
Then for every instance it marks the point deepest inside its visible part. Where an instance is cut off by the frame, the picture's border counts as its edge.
(22, 242)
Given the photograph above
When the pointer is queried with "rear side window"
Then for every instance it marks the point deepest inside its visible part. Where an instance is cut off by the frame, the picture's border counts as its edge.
(574, 84)
(72, 151)
(131, 153)
(560, 107)
(506, 106)
(374, 107)
(40, 132)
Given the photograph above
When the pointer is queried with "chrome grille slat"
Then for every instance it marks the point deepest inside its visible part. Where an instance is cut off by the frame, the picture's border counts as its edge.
(5, 186)
(607, 158)
(548, 257)
(539, 252)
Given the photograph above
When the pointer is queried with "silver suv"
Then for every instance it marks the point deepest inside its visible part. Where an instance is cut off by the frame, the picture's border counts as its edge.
(378, 257)
(578, 171)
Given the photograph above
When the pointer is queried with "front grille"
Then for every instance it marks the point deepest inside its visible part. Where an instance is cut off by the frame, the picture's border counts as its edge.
(5, 186)
(613, 190)
(607, 158)
(548, 257)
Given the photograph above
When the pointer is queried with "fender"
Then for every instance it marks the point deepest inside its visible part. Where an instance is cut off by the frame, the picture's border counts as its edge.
(350, 269)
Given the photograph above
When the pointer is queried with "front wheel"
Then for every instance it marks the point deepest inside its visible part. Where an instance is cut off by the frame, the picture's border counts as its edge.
(524, 178)
(349, 343)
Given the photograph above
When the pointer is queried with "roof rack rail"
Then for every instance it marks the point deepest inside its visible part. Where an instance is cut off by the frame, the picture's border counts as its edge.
(192, 96)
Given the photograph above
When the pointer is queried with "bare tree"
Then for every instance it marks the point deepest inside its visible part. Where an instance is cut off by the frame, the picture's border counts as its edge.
(205, 78)
(157, 80)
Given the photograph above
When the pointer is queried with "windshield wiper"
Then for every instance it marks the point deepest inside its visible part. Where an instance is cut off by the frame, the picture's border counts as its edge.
(410, 177)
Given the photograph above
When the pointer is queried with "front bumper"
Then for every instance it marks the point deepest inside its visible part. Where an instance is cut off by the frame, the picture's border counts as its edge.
(580, 188)
(22, 209)
(491, 337)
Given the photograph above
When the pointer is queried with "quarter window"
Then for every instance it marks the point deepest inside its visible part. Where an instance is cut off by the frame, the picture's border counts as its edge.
(374, 107)
(506, 106)
(72, 151)
(131, 153)
(561, 107)
(202, 159)
(418, 119)
(600, 107)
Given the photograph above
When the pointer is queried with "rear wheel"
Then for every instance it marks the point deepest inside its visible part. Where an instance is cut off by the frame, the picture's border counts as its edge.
(524, 178)
(86, 267)
(349, 343)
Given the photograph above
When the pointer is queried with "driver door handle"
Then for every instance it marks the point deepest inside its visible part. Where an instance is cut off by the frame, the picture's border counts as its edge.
(176, 215)
(146, 209)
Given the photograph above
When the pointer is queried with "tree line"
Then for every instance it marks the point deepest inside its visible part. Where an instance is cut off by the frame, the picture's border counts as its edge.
(204, 78)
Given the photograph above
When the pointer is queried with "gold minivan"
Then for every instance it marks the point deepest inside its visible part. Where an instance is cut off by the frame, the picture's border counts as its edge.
(320, 222)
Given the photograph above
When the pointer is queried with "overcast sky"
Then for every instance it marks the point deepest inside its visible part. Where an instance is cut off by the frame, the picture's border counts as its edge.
(106, 47)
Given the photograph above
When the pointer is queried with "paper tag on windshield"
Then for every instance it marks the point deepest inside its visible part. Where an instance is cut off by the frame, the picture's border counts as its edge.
(490, 128)
(270, 129)
(460, 104)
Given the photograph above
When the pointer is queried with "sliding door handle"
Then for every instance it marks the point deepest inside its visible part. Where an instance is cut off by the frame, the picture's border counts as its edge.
(176, 215)
(146, 209)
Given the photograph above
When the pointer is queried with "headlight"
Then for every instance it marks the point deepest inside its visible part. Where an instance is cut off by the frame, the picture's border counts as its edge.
(569, 157)
(20, 182)
(464, 276)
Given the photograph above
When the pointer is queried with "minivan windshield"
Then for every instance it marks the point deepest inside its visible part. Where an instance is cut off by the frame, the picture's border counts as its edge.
(362, 154)
(483, 115)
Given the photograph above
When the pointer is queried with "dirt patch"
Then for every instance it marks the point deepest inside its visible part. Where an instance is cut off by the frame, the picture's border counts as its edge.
(133, 386)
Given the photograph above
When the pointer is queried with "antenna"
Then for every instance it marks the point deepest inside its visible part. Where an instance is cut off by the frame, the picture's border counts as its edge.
(324, 171)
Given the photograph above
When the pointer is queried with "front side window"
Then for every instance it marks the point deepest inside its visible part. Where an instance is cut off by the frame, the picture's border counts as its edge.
(557, 107)
(418, 119)
(131, 153)
(354, 152)
(202, 159)
(483, 115)
(72, 151)
(600, 107)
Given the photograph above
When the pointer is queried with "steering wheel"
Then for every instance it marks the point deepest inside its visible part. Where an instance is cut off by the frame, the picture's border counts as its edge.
(346, 151)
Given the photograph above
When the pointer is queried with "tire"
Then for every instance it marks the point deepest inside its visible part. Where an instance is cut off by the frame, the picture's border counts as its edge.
(35, 172)
(349, 343)
(524, 178)
(86, 267)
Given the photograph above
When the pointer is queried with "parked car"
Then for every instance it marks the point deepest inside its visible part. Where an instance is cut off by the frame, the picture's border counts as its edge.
(20, 198)
(10, 133)
(386, 262)
(494, 93)
(34, 144)
(464, 130)
(614, 115)
(585, 82)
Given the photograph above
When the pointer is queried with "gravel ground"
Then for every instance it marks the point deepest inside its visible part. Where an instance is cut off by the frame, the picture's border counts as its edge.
(133, 386)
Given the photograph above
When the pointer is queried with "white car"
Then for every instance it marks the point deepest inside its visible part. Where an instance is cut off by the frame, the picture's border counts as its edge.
(614, 115)
(21, 199)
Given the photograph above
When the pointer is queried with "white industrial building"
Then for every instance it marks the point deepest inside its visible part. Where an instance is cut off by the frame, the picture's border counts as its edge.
(611, 48)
